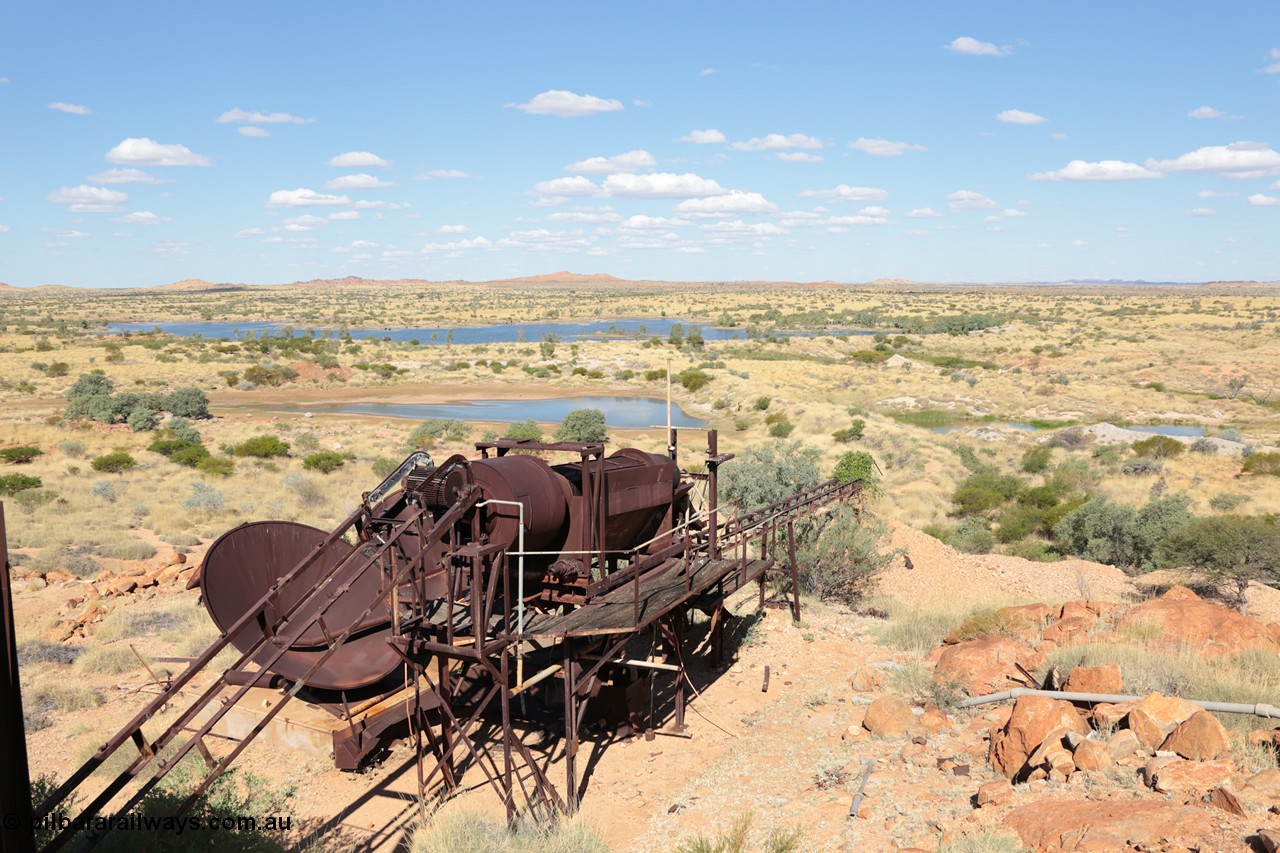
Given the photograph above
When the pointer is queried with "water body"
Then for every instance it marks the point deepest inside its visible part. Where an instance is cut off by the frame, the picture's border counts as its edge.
(1171, 429)
(619, 412)
(496, 333)
(943, 430)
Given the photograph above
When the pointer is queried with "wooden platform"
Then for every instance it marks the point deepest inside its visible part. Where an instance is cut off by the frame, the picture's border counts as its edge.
(615, 612)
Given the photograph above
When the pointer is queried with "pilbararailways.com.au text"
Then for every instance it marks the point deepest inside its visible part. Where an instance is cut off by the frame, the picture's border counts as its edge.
(158, 823)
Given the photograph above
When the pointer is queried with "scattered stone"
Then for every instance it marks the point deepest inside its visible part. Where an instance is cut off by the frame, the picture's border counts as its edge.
(1269, 839)
(934, 720)
(1094, 679)
(986, 665)
(1210, 629)
(996, 793)
(1091, 754)
(1200, 737)
(1227, 801)
(1266, 783)
(868, 679)
(1156, 716)
(1179, 775)
(1107, 715)
(1067, 630)
(888, 716)
(1107, 825)
(1032, 720)
(1123, 742)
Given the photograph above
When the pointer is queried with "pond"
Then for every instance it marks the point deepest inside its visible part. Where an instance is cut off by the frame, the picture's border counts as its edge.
(619, 412)
(1158, 429)
(494, 333)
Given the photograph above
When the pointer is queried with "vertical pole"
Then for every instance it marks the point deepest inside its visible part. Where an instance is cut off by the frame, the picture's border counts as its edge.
(713, 493)
(670, 436)
(16, 831)
(570, 728)
(795, 571)
(508, 735)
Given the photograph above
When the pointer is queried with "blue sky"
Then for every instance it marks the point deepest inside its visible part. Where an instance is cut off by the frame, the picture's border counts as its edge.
(1001, 141)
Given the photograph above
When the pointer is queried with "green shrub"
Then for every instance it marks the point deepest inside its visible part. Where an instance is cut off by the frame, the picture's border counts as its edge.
(1018, 521)
(220, 466)
(190, 456)
(1036, 459)
(526, 430)
(582, 425)
(113, 463)
(143, 419)
(20, 455)
(781, 429)
(1263, 463)
(1230, 549)
(384, 467)
(858, 465)
(326, 462)
(204, 499)
(839, 554)
(262, 447)
(693, 379)
(12, 484)
(1158, 447)
(654, 375)
(1227, 501)
(761, 404)
(435, 430)
(1141, 468)
(973, 537)
(1034, 549)
(983, 492)
(767, 473)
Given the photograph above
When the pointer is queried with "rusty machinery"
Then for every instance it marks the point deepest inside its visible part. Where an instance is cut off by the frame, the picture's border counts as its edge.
(459, 598)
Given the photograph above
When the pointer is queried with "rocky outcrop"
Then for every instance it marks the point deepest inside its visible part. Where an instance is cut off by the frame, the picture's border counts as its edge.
(1209, 629)
(1105, 827)
(1036, 722)
(988, 664)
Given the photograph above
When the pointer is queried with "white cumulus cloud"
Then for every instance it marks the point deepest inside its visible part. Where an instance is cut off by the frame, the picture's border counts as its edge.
(1103, 170)
(303, 197)
(777, 142)
(703, 137)
(357, 182)
(87, 199)
(585, 215)
(441, 173)
(970, 46)
(631, 161)
(1020, 117)
(640, 222)
(1208, 112)
(862, 218)
(1200, 211)
(1244, 160)
(969, 200)
(126, 176)
(565, 104)
(732, 203)
(884, 147)
(1260, 200)
(923, 213)
(454, 229)
(1273, 68)
(238, 115)
(344, 214)
(799, 157)
(147, 152)
(661, 185)
(305, 222)
(143, 217)
(844, 192)
(252, 131)
(73, 109)
(358, 159)
(567, 187)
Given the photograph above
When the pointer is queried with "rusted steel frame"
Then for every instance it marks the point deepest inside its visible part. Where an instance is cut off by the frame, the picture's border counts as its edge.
(165, 766)
(508, 735)
(586, 677)
(180, 725)
(459, 729)
(180, 681)
(601, 516)
(17, 834)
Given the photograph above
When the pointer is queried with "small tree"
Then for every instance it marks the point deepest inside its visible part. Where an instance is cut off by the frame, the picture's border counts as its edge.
(1158, 447)
(1099, 530)
(20, 455)
(189, 402)
(1263, 463)
(526, 430)
(548, 346)
(1231, 549)
(1036, 459)
(767, 473)
(582, 425)
(839, 554)
(11, 484)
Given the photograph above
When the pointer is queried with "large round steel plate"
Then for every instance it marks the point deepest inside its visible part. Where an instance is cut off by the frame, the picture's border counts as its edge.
(240, 568)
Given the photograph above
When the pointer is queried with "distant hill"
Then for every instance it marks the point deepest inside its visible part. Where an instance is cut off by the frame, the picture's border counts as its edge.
(194, 284)
(564, 276)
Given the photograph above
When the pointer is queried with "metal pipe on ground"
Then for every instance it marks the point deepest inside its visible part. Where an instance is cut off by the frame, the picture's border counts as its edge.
(1258, 710)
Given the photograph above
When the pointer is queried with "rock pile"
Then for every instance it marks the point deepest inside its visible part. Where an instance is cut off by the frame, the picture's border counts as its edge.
(83, 610)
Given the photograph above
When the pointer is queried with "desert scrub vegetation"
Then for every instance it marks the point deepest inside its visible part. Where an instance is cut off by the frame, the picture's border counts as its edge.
(457, 831)
(739, 838)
